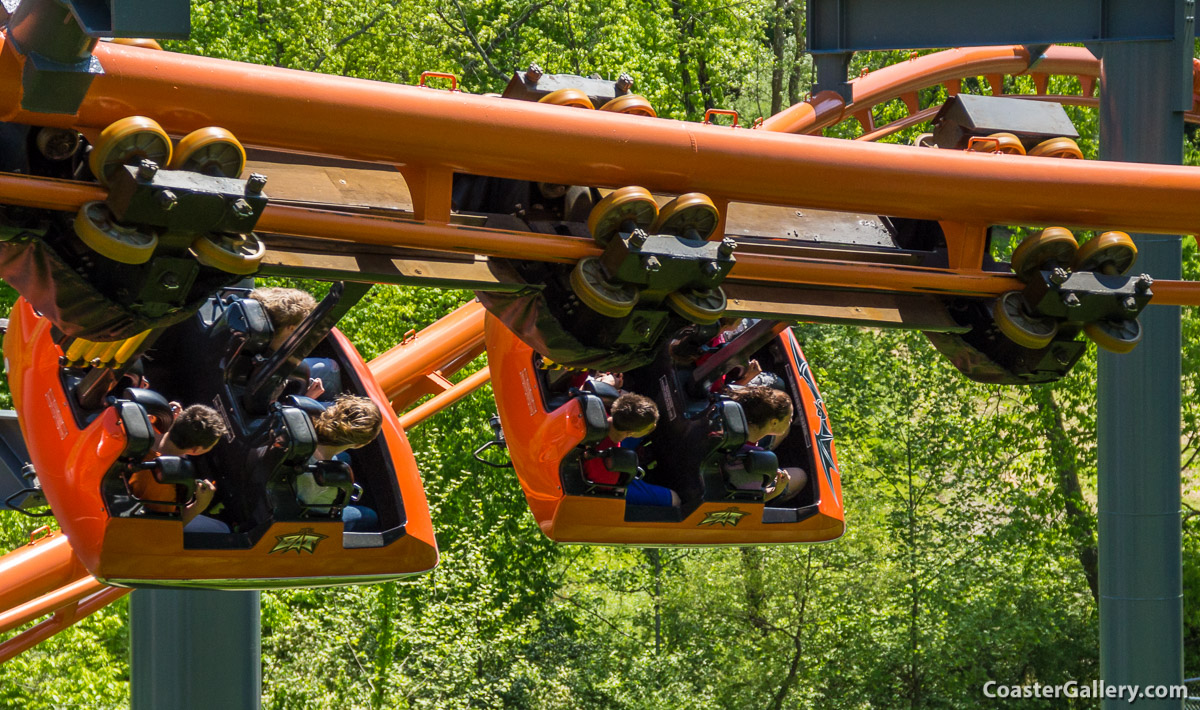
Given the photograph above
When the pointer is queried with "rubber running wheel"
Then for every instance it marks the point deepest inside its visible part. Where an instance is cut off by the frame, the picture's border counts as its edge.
(95, 226)
(1115, 336)
(632, 104)
(631, 203)
(211, 151)
(693, 211)
(703, 306)
(1111, 253)
(567, 97)
(1054, 246)
(1013, 318)
(126, 142)
(237, 254)
(591, 285)
(1008, 144)
(1057, 148)
(925, 140)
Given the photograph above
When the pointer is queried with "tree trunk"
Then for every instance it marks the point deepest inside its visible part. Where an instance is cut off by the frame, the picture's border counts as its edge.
(685, 73)
(777, 45)
(798, 57)
(1081, 522)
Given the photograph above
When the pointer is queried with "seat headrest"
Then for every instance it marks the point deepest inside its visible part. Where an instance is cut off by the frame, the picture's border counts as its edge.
(154, 403)
(248, 317)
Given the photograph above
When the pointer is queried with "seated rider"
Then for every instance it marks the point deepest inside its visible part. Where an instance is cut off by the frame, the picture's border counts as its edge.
(768, 412)
(351, 422)
(630, 419)
(194, 432)
(286, 309)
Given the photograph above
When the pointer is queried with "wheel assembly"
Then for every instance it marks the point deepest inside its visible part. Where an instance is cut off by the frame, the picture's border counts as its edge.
(591, 285)
(212, 151)
(1054, 246)
(232, 253)
(1115, 336)
(128, 141)
(1014, 319)
(1111, 253)
(633, 104)
(701, 306)
(692, 215)
(1057, 148)
(567, 97)
(96, 228)
(625, 208)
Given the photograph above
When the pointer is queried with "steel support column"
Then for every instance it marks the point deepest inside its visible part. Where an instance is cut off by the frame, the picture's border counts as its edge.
(195, 650)
(1141, 593)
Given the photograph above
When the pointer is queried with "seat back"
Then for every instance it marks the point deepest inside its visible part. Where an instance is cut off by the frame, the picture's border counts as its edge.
(239, 333)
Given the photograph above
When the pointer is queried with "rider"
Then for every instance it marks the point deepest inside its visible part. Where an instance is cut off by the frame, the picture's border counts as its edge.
(631, 418)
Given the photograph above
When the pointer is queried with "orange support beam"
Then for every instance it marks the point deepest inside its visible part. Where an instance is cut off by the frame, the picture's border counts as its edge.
(450, 396)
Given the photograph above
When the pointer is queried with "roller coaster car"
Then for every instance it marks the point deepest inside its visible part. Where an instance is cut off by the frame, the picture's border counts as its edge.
(85, 458)
(552, 428)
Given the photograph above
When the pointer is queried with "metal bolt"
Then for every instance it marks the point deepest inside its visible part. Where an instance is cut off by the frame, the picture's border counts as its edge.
(241, 208)
(1129, 303)
(533, 73)
(166, 200)
(624, 83)
(147, 169)
(1070, 299)
(1059, 275)
(638, 238)
(651, 263)
(169, 280)
(1144, 282)
(727, 247)
(255, 183)
(710, 268)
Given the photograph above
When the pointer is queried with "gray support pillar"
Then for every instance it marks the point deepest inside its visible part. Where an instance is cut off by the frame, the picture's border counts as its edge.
(194, 650)
(1141, 591)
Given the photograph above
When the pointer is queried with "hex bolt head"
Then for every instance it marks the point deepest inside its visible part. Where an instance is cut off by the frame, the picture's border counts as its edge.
(1071, 300)
(651, 263)
(241, 208)
(727, 247)
(1144, 282)
(255, 183)
(169, 280)
(638, 238)
(147, 169)
(533, 73)
(1059, 275)
(624, 83)
(1129, 303)
(710, 268)
(166, 200)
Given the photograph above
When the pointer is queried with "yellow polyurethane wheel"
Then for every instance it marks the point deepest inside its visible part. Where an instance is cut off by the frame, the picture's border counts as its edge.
(632, 104)
(1057, 148)
(567, 97)
(1054, 246)
(591, 285)
(1019, 325)
(240, 254)
(1008, 144)
(1115, 336)
(628, 204)
(94, 225)
(691, 215)
(143, 42)
(126, 142)
(1111, 253)
(703, 306)
(211, 151)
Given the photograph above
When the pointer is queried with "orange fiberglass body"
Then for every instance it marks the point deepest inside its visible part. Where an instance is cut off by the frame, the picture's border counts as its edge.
(548, 434)
(78, 457)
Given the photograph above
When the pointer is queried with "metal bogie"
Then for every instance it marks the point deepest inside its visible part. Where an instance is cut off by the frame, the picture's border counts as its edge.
(184, 201)
(1087, 296)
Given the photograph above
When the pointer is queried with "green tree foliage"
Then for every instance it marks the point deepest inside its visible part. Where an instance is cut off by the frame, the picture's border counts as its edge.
(970, 548)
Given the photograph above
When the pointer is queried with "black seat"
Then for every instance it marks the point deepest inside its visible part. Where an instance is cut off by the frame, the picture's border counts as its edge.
(264, 484)
(154, 405)
(329, 474)
(238, 334)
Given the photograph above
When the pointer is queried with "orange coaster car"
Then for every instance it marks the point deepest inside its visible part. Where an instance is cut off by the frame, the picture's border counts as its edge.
(84, 459)
(552, 427)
